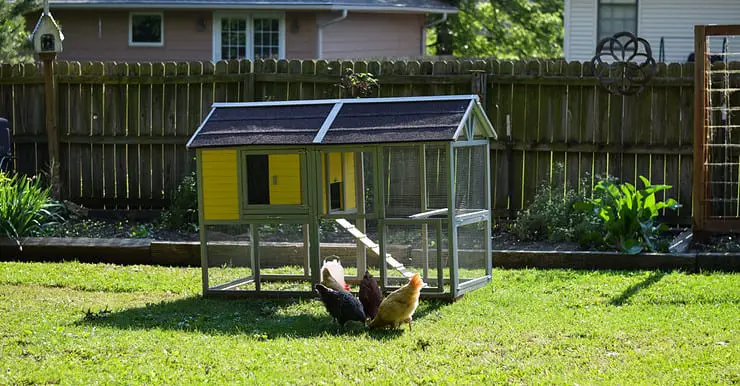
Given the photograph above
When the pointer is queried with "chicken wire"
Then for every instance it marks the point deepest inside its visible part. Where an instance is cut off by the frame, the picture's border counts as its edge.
(470, 178)
(437, 176)
(402, 181)
(722, 138)
(228, 252)
(415, 246)
(472, 250)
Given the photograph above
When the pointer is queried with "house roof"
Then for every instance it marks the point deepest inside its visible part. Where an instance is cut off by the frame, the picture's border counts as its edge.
(339, 121)
(427, 6)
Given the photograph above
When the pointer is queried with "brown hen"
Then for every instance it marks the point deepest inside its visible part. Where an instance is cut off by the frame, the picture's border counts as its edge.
(370, 295)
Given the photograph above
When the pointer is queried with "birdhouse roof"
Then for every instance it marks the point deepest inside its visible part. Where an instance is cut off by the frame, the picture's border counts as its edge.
(47, 18)
(340, 121)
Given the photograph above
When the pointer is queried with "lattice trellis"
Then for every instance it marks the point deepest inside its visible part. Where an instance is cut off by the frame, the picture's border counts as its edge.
(717, 128)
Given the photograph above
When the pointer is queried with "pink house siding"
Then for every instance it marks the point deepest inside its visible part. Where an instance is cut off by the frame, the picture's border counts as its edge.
(364, 35)
(300, 35)
(103, 35)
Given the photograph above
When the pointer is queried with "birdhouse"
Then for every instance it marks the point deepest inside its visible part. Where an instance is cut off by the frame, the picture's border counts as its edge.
(47, 36)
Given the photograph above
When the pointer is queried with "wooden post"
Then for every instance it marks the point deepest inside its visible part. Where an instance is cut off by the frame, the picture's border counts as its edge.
(700, 61)
(478, 85)
(52, 135)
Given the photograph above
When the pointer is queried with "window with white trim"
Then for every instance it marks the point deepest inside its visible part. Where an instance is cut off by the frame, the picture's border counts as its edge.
(616, 16)
(248, 36)
(146, 29)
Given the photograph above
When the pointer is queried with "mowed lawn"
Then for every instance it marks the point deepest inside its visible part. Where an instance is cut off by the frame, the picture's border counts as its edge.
(72, 323)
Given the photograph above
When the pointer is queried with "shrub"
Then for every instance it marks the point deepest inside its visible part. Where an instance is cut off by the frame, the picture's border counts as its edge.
(26, 206)
(628, 214)
(182, 213)
(552, 215)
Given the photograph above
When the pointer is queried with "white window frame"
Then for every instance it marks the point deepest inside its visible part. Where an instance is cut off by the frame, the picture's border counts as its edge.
(598, 17)
(131, 29)
(250, 31)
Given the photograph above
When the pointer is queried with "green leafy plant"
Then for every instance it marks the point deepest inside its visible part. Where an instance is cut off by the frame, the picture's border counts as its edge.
(182, 213)
(629, 214)
(358, 84)
(141, 231)
(26, 206)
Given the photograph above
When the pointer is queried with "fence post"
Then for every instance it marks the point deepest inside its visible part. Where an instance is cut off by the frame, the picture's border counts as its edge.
(478, 85)
(50, 104)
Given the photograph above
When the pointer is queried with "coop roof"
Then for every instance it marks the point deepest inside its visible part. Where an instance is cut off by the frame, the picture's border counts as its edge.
(340, 121)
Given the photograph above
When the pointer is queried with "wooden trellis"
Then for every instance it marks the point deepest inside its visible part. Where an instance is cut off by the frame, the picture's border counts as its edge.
(717, 129)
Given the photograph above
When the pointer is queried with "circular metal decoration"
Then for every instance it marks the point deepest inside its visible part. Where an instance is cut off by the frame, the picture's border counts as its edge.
(623, 64)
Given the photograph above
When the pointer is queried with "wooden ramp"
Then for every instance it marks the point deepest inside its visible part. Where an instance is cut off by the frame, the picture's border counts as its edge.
(373, 247)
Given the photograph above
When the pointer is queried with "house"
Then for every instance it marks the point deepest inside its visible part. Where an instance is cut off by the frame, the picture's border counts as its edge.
(672, 21)
(182, 30)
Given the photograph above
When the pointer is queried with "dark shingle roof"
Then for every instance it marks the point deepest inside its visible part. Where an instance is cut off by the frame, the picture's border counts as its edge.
(433, 6)
(335, 122)
(271, 125)
(397, 122)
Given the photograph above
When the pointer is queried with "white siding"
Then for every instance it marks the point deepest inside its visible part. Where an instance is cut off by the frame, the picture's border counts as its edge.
(581, 29)
(673, 20)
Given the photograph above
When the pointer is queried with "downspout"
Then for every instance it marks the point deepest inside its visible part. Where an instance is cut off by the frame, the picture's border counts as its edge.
(320, 50)
(424, 32)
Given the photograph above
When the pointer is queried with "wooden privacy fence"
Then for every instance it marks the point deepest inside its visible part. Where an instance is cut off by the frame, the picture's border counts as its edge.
(123, 126)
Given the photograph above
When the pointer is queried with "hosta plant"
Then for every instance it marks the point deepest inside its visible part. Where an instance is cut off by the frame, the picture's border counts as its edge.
(629, 215)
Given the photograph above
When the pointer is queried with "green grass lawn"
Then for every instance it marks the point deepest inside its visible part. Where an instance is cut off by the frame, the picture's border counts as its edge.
(72, 323)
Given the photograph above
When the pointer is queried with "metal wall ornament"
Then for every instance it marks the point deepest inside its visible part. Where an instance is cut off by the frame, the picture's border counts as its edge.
(623, 64)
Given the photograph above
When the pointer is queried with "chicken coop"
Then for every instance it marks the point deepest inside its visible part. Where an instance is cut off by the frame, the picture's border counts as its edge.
(716, 187)
(392, 186)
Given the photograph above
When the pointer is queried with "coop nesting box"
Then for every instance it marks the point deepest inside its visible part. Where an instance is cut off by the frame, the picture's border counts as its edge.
(284, 185)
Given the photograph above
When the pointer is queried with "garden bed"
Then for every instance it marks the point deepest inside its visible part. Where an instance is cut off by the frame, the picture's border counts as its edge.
(187, 253)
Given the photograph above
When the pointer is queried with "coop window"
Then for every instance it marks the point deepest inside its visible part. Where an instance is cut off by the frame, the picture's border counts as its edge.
(249, 36)
(335, 196)
(272, 179)
(146, 29)
(616, 16)
(258, 176)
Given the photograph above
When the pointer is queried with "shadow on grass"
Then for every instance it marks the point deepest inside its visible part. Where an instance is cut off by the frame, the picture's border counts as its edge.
(635, 288)
(260, 319)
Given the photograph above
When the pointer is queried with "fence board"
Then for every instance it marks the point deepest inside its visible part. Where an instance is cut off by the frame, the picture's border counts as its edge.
(123, 126)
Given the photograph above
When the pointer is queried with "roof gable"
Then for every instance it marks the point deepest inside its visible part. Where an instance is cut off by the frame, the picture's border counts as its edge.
(343, 121)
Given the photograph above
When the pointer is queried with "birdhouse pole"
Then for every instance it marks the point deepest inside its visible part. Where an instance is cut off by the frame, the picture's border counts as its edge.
(48, 59)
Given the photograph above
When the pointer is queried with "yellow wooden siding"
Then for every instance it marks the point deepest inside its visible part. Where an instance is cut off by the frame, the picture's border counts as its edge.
(220, 184)
(285, 179)
(324, 203)
(349, 168)
(335, 167)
